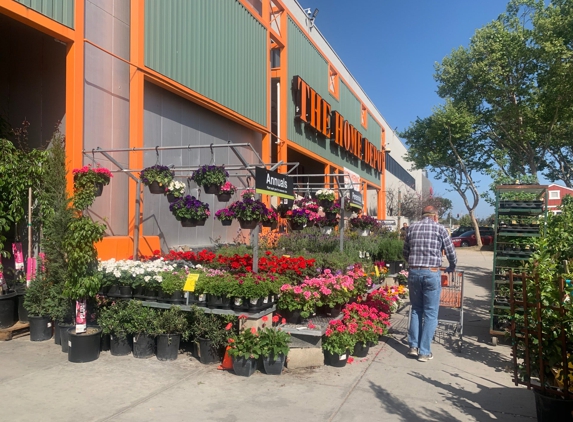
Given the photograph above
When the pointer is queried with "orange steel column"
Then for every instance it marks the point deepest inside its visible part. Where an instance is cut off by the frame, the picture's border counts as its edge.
(266, 140)
(382, 193)
(282, 148)
(75, 96)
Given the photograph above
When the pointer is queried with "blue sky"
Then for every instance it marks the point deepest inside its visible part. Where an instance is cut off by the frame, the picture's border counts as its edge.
(390, 47)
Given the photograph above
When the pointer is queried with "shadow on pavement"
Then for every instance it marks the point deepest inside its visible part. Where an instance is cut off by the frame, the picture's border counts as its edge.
(394, 406)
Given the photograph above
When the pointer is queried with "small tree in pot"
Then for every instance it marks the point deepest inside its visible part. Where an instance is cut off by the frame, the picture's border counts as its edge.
(208, 331)
(142, 326)
(172, 326)
(38, 301)
(115, 320)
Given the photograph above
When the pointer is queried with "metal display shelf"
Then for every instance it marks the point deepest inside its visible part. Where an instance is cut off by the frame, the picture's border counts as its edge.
(188, 308)
(511, 201)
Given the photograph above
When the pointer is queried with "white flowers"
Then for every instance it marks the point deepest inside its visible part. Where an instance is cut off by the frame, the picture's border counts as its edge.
(176, 188)
(131, 269)
(325, 194)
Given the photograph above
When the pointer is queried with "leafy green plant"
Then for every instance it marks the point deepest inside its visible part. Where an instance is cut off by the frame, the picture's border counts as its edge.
(115, 319)
(209, 326)
(86, 180)
(173, 281)
(245, 344)
(172, 321)
(142, 319)
(273, 341)
(208, 175)
(337, 338)
(60, 308)
(190, 207)
(40, 296)
(163, 175)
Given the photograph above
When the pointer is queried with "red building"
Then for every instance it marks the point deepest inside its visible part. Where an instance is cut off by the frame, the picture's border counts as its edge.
(556, 195)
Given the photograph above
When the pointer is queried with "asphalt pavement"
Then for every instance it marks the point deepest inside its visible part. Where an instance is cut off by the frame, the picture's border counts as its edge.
(37, 383)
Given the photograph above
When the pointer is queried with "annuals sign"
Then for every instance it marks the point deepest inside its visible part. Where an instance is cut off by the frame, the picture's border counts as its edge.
(317, 113)
(272, 183)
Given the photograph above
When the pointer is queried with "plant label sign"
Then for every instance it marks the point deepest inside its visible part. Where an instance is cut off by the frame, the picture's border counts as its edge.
(356, 199)
(269, 182)
(190, 282)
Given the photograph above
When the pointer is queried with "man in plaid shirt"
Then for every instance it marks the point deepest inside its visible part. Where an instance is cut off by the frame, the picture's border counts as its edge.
(423, 247)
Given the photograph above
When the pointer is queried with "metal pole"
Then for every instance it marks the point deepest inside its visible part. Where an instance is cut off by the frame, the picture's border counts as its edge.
(399, 209)
(136, 220)
(341, 224)
(255, 243)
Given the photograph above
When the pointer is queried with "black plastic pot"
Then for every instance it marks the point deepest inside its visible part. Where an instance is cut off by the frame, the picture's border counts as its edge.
(113, 291)
(104, 343)
(214, 301)
(125, 292)
(255, 305)
(360, 350)
(240, 304)
(224, 197)
(292, 317)
(63, 328)
(334, 359)
(84, 347)
(8, 304)
(552, 408)
(178, 298)
(143, 346)
(139, 293)
(171, 198)
(187, 222)
(211, 189)
(22, 312)
(156, 188)
(244, 367)
(168, 346)
(274, 366)
(201, 300)
(226, 222)
(150, 294)
(248, 225)
(206, 353)
(119, 346)
(40, 328)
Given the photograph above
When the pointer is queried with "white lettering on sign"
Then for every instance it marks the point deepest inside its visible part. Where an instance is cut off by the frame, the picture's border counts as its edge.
(275, 181)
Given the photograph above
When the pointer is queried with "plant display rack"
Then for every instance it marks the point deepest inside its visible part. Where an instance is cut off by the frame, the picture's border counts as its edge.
(519, 216)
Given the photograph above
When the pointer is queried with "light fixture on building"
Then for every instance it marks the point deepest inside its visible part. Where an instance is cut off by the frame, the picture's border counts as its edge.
(311, 16)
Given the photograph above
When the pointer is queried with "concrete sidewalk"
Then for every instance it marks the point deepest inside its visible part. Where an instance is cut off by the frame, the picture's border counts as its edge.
(37, 383)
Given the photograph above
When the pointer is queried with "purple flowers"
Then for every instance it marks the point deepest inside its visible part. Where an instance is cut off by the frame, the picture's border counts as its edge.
(157, 173)
(190, 207)
(210, 175)
(224, 214)
(249, 209)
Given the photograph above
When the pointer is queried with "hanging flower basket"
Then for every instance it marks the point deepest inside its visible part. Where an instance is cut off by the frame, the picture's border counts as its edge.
(225, 192)
(226, 222)
(248, 224)
(175, 190)
(211, 177)
(223, 197)
(190, 207)
(157, 178)
(249, 210)
(98, 188)
(225, 216)
(187, 222)
(296, 226)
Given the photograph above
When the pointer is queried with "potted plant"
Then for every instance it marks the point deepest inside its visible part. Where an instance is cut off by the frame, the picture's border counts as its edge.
(325, 197)
(89, 183)
(115, 320)
(171, 326)
(218, 286)
(296, 302)
(337, 343)
(172, 283)
(225, 216)
(331, 211)
(156, 178)
(210, 177)
(298, 218)
(190, 211)
(175, 190)
(326, 225)
(274, 348)
(226, 191)
(209, 334)
(37, 301)
(363, 323)
(244, 349)
(248, 211)
(250, 289)
(270, 219)
(142, 328)
(364, 224)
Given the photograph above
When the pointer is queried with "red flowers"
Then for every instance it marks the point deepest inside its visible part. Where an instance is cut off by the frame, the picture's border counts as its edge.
(265, 318)
(243, 316)
(229, 326)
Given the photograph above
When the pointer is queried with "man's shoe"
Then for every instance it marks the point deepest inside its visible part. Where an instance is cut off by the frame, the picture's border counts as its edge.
(425, 358)
(413, 352)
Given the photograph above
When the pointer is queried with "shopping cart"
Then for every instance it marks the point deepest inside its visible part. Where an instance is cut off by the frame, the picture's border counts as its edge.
(451, 301)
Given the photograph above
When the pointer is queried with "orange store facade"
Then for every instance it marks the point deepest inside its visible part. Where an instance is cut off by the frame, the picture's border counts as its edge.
(126, 77)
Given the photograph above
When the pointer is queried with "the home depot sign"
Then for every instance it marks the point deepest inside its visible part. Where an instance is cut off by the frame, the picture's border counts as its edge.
(317, 113)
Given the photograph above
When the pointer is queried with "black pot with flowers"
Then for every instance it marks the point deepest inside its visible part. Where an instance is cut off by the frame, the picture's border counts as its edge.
(89, 183)
(210, 177)
(249, 211)
(157, 178)
(190, 211)
(298, 218)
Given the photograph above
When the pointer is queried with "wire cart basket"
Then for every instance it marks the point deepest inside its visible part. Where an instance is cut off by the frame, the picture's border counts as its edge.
(451, 299)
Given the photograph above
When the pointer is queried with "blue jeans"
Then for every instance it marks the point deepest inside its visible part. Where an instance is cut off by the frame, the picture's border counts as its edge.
(425, 287)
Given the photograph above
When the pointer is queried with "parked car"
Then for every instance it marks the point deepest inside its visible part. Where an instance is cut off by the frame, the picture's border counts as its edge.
(462, 229)
(469, 238)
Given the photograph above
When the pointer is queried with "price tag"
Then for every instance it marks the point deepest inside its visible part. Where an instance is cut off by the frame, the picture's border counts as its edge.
(190, 282)
(377, 270)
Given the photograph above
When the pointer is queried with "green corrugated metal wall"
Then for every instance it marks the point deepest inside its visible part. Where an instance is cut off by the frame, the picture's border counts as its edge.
(214, 47)
(61, 11)
(305, 61)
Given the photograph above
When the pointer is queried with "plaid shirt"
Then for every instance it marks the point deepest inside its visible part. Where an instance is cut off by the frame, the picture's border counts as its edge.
(424, 243)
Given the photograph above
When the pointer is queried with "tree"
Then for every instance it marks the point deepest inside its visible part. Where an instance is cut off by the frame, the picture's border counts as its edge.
(412, 203)
(515, 79)
(444, 143)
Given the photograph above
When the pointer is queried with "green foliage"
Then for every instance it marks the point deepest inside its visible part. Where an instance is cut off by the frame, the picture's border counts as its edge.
(308, 240)
(60, 308)
(173, 281)
(56, 212)
(209, 326)
(246, 344)
(142, 319)
(115, 319)
(172, 321)
(19, 171)
(390, 250)
(40, 296)
(273, 342)
(83, 276)
(86, 180)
